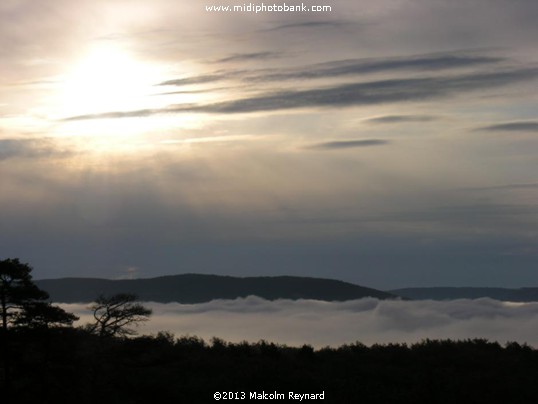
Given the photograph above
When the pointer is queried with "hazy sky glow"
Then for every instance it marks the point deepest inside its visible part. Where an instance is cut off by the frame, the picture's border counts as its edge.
(390, 143)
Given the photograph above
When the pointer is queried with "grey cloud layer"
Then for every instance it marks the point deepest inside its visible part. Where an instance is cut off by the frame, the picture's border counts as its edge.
(241, 57)
(342, 68)
(348, 144)
(350, 94)
(193, 80)
(382, 216)
(308, 24)
(335, 323)
(401, 119)
(505, 187)
(527, 126)
(374, 92)
(30, 148)
(358, 66)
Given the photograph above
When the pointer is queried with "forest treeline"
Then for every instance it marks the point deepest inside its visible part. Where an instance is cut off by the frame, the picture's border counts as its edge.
(67, 365)
(45, 359)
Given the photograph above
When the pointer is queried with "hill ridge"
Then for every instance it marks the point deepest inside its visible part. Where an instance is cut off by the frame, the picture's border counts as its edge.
(199, 288)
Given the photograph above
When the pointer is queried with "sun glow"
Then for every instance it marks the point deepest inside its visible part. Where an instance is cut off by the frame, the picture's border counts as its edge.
(107, 79)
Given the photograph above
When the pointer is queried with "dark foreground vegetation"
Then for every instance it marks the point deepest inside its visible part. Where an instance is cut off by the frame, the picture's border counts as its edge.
(44, 359)
(68, 365)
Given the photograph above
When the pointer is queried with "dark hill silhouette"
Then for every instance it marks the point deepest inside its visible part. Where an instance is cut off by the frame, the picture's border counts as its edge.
(195, 288)
(450, 293)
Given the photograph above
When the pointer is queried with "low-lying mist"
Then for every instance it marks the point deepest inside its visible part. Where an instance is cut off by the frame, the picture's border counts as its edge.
(321, 324)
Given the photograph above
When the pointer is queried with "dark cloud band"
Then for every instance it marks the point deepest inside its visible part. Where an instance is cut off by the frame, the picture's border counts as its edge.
(348, 144)
(526, 126)
(347, 95)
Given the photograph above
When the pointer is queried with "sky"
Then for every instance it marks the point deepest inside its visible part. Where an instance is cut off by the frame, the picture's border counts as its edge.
(389, 144)
(369, 321)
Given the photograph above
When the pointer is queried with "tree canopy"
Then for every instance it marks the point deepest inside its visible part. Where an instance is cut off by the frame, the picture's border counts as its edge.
(22, 303)
(43, 314)
(115, 314)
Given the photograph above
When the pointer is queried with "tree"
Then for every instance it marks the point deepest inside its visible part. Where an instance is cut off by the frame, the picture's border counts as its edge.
(43, 315)
(22, 303)
(113, 315)
(17, 291)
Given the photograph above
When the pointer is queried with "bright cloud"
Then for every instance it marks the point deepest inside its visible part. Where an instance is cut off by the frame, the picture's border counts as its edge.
(335, 323)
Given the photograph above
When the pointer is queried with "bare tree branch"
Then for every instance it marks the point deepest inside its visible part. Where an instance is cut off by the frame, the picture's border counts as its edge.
(114, 314)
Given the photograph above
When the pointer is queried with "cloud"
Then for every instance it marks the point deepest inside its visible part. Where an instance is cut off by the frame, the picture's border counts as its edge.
(209, 78)
(241, 57)
(335, 323)
(401, 119)
(347, 95)
(370, 66)
(183, 92)
(30, 148)
(200, 91)
(120, 114)
(523, 126)
(370, 93)
(338, 68)
(116, 207)
(471, 214)
(348, 144)
(308, 24)
(130, 273)
(504, 187)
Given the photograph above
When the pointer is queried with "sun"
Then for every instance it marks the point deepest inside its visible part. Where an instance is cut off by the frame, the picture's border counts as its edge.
(106, 79)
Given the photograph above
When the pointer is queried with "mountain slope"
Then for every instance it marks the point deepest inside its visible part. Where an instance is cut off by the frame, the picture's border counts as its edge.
(194, 288)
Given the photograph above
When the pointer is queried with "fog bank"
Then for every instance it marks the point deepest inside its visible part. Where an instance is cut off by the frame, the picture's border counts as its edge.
(320, 324)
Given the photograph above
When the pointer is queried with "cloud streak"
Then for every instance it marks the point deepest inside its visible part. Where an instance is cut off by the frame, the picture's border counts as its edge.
(523, 126)
(347, 95)
(308, 24)
(348, 144)
(243, 57)
(361, 66)
(531, 185)
(373, 92)
(401, 119)
(339, 68)
(209, 78)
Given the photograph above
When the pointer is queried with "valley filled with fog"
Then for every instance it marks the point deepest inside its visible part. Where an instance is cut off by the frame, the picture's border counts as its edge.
(319, 323)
